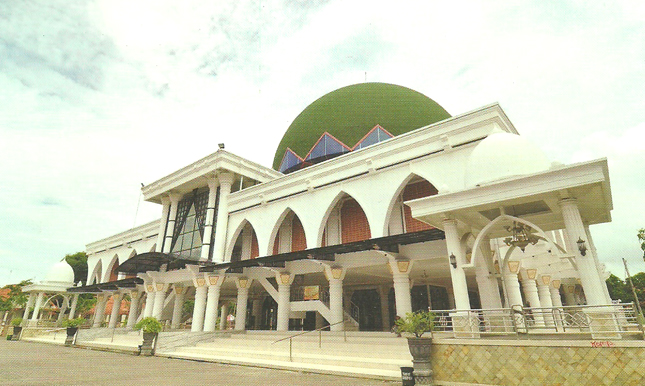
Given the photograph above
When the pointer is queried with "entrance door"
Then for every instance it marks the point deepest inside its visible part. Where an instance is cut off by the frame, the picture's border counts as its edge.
(369, 309)
(269, 319)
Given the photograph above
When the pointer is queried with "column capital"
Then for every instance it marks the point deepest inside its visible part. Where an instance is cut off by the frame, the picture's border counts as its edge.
(335, 273)
(174, 197)
(243, 283)
(199, 282)
(225, 179)
(400, 266)
(284, 278)
(213, 182)
(544, 280)
(215, 280)
(179, 289)
(165, 200)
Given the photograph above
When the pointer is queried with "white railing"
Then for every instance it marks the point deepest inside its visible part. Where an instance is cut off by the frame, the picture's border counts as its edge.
(615, 319)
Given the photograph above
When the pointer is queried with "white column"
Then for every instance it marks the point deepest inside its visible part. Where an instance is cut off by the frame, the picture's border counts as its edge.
(335, 275)
(401, 278)
(172, 218)
(99, 310)
(594, 253)
(284, 300)
(133, 313)
(459, 284)
(225, 181)
(30, 303)
(212, 304)
(243, 285)
(556, 300)
(222, 319)
(210, 217)
(591, 282)
(72, 310)
(160, 297)
(150, 301)
(178, 306)
(39, 304)
(544, 282)
(486, 281)
(200, 304)
(531, 293)
(512, 284)
(163, 223)
(116, 306)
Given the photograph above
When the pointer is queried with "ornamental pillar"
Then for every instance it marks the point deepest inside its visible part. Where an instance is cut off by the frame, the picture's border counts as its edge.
(150, 300)
(589, 277)
(544, 282)
(512, 284)
(213, 184)
(72, 310)
(284, 280)
(243, 285)
(170, 226)
(335, 275)
(99, 310)
(401, 279)
(160, 298)
(116, 306)
(486, 281)
(594, 253)
(212, 305)
(39, 303)
(178, 306)
(133, 313)
(163, 223)
(531, 293)
(200, 304)
(30, 303)
(457, 274)
(225, 182)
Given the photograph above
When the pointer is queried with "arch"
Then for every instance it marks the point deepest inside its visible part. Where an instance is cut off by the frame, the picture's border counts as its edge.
(499, 219)
(237, 239)
(153, 248)
(341, 198)
(298, 236)
(412, 178)
(110, 272)
(95, 277)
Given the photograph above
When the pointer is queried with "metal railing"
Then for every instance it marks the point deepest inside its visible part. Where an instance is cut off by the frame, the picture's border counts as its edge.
(612, 319)
(319, 330)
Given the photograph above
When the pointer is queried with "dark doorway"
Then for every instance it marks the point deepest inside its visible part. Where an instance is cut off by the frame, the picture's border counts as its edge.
(269, 316)
(369, 309)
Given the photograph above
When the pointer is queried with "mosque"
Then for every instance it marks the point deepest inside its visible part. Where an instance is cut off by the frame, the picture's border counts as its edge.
(378, 203)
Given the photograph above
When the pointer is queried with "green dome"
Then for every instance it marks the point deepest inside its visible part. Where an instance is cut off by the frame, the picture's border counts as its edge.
(350, 112)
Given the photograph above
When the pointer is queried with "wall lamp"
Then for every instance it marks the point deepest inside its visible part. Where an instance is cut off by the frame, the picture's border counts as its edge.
(453, 260)
(581, 246)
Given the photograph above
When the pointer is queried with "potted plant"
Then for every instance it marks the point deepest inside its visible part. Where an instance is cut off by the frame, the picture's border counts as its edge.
(415, 324)
(17, 329)
(72, 328)
(151, 327)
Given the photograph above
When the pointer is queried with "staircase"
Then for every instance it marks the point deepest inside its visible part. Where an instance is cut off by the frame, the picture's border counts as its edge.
(367, 354)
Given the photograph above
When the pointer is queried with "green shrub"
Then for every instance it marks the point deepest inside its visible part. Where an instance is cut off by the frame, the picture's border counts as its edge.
(149, 325)
(416, 323)
(16, 322)
(73, 322)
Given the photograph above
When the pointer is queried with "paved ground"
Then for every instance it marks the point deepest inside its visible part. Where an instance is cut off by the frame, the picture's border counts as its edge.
(39, 364)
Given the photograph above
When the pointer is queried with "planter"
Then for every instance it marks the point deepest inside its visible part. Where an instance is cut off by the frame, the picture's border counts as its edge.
(421, 348)
(71, 333)
(9, 336)
(147, 347)
(16, 333)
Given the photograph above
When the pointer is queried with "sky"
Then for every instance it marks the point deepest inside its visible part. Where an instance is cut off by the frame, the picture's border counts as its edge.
(100, 96)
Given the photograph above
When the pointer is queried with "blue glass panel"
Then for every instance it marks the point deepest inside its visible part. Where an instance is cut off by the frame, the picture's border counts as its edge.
(325, 147)
(289, 160)
(375, 136)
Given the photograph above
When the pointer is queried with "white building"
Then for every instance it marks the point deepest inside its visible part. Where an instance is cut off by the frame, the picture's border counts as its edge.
(379, 203)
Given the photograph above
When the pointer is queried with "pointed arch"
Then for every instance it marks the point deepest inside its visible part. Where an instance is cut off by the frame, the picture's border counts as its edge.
(345, 220)
(412, 187)
(244, 243)
(288, 234)
(95, 277)
(153, 248)
(110, 272)
(541, 235)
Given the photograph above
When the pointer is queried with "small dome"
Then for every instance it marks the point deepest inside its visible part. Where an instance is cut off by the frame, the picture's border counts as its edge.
(60, 272)
(502, 155)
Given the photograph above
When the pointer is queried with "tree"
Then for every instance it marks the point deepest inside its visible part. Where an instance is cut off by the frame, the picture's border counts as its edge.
(78, 262)
(620, 290)
(15, 298)
(641, 239)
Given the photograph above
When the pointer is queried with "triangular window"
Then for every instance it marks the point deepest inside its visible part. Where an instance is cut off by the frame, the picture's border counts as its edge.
(327, 147)
(290, 161)
(376, 135)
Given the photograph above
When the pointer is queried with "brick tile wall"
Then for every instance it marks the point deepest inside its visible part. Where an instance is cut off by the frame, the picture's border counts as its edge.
(354, 225)
(413, 191)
